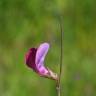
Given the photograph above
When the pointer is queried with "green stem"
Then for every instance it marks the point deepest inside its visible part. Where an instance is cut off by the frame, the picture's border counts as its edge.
(61, 56)
(58, 89)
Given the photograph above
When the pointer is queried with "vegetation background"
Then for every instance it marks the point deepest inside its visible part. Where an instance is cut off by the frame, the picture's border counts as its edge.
(27, 23)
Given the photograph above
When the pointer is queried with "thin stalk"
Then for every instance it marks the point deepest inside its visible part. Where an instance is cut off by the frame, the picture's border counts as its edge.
(61, 56)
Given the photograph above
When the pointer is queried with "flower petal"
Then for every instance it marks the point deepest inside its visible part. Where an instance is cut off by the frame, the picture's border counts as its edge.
(30, 58)
(35, 59)
(41, 53)
(41, 69)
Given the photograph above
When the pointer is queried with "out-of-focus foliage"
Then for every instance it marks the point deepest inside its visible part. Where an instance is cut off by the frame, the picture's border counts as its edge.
(27, 23)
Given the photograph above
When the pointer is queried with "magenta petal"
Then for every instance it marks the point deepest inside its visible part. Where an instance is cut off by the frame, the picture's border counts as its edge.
(30, 58)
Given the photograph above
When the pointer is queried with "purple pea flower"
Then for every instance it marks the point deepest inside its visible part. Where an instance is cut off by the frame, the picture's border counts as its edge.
(35, 60)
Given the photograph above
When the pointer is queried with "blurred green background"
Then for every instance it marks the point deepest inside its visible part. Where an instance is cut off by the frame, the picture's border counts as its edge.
(27, 23)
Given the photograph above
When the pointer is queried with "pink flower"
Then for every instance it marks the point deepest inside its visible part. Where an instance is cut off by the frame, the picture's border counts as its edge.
(35, 60)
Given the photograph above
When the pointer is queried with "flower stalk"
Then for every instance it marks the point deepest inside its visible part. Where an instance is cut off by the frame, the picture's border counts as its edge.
(58, 83)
